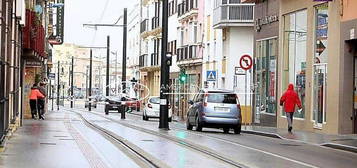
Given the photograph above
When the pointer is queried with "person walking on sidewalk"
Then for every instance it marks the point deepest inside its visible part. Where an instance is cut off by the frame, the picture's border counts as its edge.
(41, 102)
(34, 95)
(289, 100)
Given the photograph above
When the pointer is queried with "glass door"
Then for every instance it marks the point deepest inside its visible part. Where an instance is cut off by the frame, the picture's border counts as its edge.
(319, 90)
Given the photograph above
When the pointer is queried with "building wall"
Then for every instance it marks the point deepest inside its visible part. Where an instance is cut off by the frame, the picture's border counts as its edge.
(334, 122)
(348, 9)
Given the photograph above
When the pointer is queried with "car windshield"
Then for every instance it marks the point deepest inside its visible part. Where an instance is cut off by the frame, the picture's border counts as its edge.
(155, 100)
(216, 97)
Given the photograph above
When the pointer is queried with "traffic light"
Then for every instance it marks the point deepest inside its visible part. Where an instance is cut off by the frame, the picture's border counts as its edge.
(168, 58)
(183, 76)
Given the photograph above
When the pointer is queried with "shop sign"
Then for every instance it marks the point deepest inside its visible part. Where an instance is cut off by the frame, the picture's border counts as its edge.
(33, 64)
(265, 21)
(58, 38)
(352, 34)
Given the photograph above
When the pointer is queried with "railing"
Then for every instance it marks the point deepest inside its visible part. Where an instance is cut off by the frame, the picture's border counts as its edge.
(143, 60)
(187, 52)
(233, 13)
(144, 26)
(34, 34)
(154, 59)
(186, 6)
(155, 22)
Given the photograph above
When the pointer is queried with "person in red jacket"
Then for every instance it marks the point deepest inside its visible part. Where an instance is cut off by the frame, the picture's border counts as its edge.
(289, 100)
(34, 95)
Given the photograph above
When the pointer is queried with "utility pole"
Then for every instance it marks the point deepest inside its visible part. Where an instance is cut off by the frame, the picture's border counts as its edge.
(122, 108)
(90, 80)
(72, 97)
(165, 70)
(58, 84)
(107, 75)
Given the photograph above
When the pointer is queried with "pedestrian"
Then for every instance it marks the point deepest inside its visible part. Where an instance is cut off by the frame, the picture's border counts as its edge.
(34, 95)
(289, 100)
(41, 102)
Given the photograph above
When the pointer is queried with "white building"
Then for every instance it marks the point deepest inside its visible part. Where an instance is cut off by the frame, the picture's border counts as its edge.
(133, 43)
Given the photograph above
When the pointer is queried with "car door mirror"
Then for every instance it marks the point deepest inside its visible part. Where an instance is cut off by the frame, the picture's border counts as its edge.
(190, 102)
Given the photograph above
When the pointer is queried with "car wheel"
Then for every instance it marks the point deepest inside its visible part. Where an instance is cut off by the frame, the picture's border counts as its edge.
(188, 125)
(198, 125)
(106, 110)
(226, 130)
(170, 119)
(238, 129)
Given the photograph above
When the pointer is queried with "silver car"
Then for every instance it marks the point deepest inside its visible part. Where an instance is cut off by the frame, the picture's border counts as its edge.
(215, 109)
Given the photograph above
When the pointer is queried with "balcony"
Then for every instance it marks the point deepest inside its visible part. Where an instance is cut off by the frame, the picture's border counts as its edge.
(154, 59)
(230, 14)
(33, 36)
(143, 61)
(188, 54)
(187, 8)
(144, 26)
(155, 23)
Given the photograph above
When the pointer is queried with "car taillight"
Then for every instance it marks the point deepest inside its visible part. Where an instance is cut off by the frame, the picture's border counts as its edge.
(204, 100)
(149, 105)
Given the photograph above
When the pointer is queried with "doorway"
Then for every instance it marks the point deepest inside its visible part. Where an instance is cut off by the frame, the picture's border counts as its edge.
(352, 49)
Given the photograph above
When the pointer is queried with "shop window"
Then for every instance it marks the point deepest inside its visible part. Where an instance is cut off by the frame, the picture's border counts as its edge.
(294, 52)
(320, 64)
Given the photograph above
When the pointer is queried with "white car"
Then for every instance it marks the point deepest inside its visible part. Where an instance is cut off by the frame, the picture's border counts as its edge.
(152, 109)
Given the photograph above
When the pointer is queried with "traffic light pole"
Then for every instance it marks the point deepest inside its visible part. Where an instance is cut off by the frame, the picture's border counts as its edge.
(107, 74)
(122, 107)
(165, 70)
(72, 97)
(90, 80)
(58, 84)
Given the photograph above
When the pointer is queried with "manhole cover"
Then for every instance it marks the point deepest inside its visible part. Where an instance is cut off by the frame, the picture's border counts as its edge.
(290, 145)
(147, 140)
(46, 143)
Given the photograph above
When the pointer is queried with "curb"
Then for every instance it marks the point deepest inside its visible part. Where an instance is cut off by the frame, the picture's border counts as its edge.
(340, 147)
(271, 135)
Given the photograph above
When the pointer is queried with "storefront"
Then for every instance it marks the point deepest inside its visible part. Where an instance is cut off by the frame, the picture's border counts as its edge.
(309, 57)
(265, 63)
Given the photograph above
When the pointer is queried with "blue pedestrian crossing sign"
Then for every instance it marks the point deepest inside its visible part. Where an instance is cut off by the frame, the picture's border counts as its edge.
(211, 75)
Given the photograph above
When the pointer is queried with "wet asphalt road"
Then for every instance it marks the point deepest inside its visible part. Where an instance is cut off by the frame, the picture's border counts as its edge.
(245, 149)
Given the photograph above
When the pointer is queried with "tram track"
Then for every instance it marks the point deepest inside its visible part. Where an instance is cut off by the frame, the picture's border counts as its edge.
(195, 147)
(140, 157)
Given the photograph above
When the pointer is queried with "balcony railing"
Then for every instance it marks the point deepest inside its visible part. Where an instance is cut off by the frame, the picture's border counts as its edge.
(143, 60)
(186, 6)
(144, 26)
(154, 59)
(34, 34)
(233, 14)
(155, 22)
(187, 52)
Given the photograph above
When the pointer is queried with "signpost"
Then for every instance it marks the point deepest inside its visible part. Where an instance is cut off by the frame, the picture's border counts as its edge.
(246, 63)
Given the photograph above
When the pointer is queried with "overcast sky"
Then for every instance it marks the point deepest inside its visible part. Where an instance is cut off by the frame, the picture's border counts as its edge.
(78, 12)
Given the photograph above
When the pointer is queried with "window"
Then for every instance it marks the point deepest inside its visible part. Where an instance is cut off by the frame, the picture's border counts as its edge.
(216, 97)
(294, 51)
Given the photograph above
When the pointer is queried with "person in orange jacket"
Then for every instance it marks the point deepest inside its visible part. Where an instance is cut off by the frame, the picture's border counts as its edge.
(289, 100)
(34, 95)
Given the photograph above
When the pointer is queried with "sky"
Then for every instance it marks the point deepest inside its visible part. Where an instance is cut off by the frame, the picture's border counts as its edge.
(79, 12)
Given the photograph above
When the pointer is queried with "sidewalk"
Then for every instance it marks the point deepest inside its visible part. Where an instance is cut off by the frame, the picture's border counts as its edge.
(342, 142)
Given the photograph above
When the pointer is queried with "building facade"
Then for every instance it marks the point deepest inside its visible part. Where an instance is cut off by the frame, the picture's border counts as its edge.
(312, 57)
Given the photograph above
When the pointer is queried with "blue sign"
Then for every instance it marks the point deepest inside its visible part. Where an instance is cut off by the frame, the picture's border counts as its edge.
(211, 75)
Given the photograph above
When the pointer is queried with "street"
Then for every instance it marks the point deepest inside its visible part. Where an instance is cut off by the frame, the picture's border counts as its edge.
(111, 142)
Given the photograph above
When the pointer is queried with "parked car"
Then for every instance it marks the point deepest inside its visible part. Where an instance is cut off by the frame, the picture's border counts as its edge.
(133, 103)
(152, 109)
(112, 103)
(93, 102)
(215, 109)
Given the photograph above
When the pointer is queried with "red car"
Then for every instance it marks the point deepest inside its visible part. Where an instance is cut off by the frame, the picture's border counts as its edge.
(133, 104)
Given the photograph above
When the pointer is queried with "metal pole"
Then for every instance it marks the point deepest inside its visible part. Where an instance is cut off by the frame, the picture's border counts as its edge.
(51, 94)
(58, 84)
(72, 98)
(165, 70)
(107, 75)
(122, 108)
(116, 71)
(90, 80)
(245, 101)
(86, 82)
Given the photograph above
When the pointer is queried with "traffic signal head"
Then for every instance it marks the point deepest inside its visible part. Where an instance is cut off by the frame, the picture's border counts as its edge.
(183, 76)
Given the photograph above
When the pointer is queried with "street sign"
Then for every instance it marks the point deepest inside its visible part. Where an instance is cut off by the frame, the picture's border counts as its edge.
(51, 75)
(211, 75)
(246, 62)
(239, 71)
